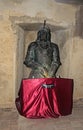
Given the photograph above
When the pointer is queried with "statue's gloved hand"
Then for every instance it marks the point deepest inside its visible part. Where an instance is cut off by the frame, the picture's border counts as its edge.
(53, 69)
(43, 71)
(46, 74)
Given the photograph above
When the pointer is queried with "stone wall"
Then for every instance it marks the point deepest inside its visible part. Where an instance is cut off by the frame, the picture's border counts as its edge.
(19, 20)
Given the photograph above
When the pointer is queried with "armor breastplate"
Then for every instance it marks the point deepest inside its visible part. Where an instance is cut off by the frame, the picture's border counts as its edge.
(43, 56)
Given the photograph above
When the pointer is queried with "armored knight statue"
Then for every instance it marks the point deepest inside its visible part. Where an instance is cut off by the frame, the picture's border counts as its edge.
(43, 55)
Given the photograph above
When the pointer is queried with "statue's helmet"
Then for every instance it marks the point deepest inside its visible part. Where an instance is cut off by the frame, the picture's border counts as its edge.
(44, 33)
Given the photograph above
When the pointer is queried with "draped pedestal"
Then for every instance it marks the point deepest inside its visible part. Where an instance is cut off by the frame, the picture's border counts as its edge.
(45, 97)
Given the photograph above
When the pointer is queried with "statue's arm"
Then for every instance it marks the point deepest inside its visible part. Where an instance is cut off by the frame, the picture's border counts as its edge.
(55, 62)
(30, 57)
(31, 62)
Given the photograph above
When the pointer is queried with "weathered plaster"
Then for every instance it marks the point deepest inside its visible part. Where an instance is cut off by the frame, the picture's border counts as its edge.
(17, 20)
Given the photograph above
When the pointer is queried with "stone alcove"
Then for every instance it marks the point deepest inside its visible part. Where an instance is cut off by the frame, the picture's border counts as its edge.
(26, 33)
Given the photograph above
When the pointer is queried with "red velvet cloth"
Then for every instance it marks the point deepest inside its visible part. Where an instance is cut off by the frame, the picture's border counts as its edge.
(35, 101)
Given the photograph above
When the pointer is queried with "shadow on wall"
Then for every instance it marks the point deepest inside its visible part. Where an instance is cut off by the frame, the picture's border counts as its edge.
(79, 23)
(37, 26)
(75, 2)
(79, 16)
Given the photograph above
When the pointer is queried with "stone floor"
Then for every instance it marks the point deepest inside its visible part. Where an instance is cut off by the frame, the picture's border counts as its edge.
(11, 120)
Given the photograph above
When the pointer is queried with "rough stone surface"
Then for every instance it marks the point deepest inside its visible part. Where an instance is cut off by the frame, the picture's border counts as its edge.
(11, 120)
(15, 18)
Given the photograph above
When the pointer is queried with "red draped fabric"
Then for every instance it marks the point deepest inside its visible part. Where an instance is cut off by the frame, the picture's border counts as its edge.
(36, 101)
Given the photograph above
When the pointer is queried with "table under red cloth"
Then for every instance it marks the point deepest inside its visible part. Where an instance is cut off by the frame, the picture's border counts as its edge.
(36, 101)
